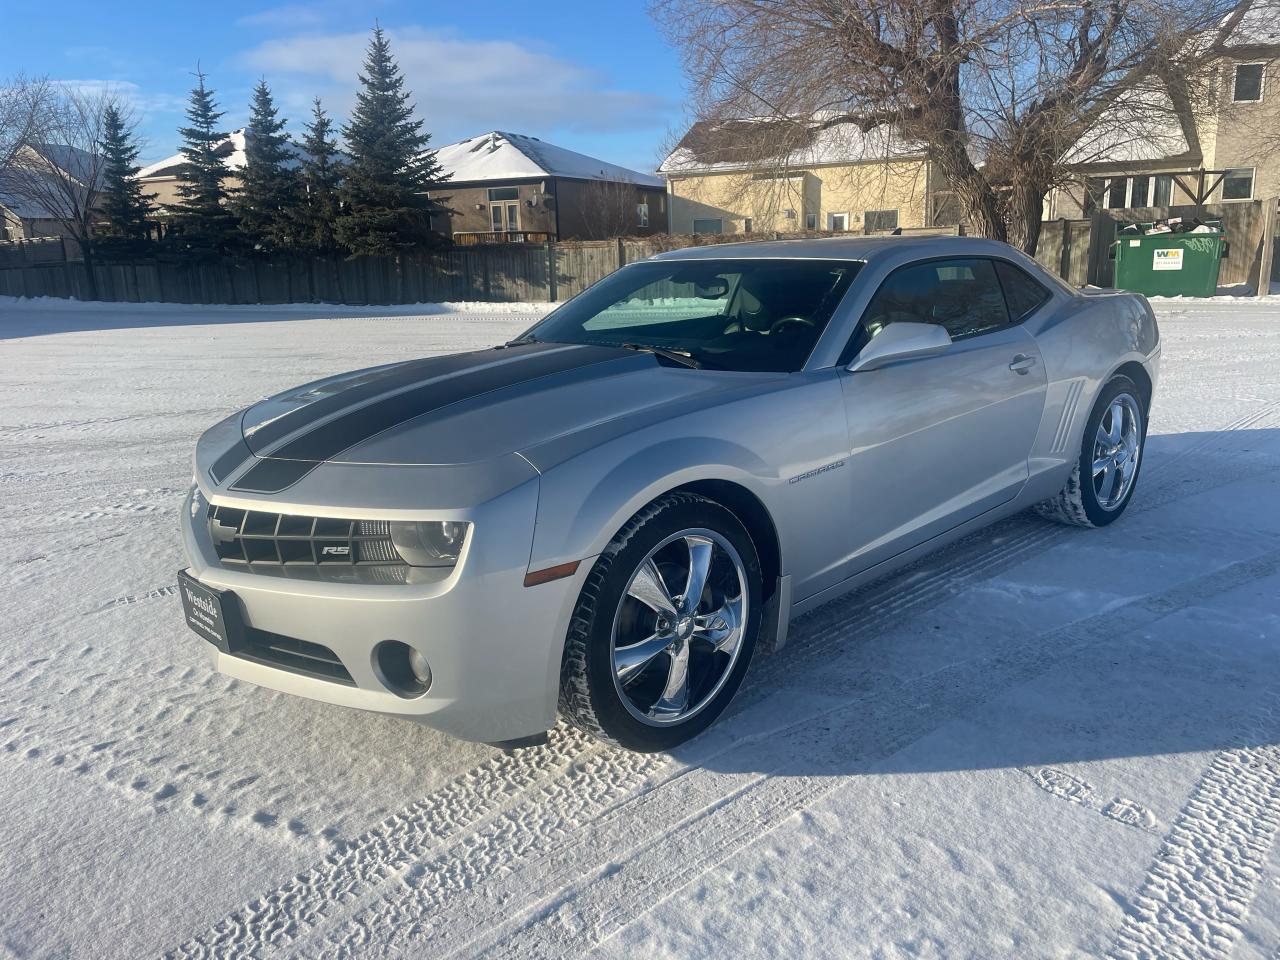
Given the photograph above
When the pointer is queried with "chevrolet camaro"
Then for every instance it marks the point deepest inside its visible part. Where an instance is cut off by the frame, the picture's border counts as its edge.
(607, 517)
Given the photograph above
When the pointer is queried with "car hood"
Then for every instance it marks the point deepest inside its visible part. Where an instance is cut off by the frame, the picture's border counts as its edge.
(452, 410)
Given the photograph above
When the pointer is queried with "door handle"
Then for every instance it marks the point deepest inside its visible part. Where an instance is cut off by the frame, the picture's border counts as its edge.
(1022, 364)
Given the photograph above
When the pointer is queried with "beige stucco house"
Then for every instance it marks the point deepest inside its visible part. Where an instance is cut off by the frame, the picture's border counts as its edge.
(1215, 139)
(759, 176)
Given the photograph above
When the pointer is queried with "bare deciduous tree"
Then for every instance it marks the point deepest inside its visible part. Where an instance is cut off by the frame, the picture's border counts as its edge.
(996, 93)
(23, 104)
(608, 209)
(58, 168)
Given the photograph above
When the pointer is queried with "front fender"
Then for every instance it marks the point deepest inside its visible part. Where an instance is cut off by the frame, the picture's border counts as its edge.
(585, 501)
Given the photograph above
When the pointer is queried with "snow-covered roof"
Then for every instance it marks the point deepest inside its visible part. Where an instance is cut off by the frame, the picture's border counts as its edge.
(514, 156)
(1259, 27)
(754, 142)
(231, 150)
(1142, 127)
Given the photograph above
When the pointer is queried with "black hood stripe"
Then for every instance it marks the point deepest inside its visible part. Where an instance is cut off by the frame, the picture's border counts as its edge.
(393, 378)
(383, 382)
(296, 458)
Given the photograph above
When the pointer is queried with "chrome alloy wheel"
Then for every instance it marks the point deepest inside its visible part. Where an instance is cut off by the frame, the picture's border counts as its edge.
(679, 627)
(1116, 449)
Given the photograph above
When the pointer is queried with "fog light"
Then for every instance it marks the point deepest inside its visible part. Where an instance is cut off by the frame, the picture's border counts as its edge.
(403, 669)
(421, 670)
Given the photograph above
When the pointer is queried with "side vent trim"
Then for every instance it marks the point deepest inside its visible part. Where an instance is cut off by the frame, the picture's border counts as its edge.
(1062, 436)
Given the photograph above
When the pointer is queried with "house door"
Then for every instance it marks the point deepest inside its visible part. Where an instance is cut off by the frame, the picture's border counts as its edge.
(838, 221)
(506, 216)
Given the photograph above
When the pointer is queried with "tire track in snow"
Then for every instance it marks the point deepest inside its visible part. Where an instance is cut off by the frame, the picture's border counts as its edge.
(709, 814)
(1196, 895)
(602, 784)
(311, 896)
(1246, 422)
(928, 583)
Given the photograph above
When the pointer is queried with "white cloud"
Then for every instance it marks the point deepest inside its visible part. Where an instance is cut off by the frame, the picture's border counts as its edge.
(291, 15)
(461, 87)
(130, 93)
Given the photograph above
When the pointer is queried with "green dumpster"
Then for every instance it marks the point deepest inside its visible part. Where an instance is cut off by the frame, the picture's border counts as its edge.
(1170, 264)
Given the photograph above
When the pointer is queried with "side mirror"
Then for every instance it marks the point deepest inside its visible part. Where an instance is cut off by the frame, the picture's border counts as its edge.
(901, 341)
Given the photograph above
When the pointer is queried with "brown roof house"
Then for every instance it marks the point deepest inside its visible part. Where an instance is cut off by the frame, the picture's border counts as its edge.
(512, 187)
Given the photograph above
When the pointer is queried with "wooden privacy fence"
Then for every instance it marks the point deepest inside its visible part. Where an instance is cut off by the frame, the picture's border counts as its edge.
(505, 273)
(1077, 250)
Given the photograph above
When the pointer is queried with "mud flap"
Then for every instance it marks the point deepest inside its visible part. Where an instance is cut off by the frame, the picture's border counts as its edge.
(776, 618)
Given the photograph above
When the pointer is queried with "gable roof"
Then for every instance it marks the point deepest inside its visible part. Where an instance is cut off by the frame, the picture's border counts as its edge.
(231, 150)
(1259, 27)
(497, 155)
(773, 142)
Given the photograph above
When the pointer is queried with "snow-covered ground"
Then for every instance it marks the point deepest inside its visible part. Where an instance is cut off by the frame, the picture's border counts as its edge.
(1042, 742)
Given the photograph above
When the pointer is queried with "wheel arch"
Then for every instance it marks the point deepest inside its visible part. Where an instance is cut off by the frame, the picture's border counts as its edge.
(754, 515)
(1136, 372)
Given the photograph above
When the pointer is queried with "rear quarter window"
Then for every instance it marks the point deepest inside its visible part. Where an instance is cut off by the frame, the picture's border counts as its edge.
(1022, 292)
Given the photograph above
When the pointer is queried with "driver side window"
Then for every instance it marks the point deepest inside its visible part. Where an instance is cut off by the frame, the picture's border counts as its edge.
(963, 295)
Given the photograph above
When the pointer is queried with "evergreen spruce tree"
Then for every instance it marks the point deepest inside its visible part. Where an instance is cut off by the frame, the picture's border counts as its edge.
(203, 222)
(125, 208)
(269, 191)
(384, 201)
(316, 215)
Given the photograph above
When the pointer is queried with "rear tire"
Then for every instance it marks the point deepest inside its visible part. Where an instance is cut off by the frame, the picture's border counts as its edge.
(1105, 476)
(645, 668)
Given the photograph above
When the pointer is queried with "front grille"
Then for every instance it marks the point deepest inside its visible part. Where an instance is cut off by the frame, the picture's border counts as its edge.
(296, 656)
(310, 547)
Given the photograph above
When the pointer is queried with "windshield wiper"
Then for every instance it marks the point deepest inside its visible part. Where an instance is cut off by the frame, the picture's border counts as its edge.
(676, 356)
(521, 341)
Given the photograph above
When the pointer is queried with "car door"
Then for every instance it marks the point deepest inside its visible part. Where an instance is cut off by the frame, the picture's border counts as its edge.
(937, 440)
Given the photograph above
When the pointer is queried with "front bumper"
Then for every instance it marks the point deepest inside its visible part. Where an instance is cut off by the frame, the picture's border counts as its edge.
(494, 645)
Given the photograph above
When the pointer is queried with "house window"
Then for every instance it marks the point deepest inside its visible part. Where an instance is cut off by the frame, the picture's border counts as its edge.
(505, 216)
(1238, 184)
(642, 214)
(1140, 192)
(1248, 85)
(876, 221)
(504, 193)
(837, 222)
(811, 221)
(708, 226)
(746, 225)
(1117, 189)
(1162, 195)
(1094, 191)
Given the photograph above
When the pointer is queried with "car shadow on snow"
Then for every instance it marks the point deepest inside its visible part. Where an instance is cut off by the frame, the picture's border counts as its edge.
(1031, 643)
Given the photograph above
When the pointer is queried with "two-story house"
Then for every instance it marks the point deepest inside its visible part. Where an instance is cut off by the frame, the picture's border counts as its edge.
(1211, 139)
(766, 175)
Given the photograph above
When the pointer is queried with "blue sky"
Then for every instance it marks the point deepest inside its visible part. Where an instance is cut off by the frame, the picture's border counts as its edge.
(592, 76)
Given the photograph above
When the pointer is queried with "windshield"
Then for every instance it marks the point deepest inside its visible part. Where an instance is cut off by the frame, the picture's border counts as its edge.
(725, 314)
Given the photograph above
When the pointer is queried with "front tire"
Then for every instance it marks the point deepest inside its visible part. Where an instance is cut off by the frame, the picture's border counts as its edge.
(665, 626)
(1106, 475)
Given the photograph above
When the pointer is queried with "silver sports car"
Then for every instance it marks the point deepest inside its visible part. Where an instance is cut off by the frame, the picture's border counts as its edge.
(607, 517)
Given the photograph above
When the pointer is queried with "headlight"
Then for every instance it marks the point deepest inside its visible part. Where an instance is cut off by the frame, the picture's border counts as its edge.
(429, 543)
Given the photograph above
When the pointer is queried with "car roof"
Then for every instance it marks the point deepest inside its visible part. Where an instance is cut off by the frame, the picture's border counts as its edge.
(842, 248)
